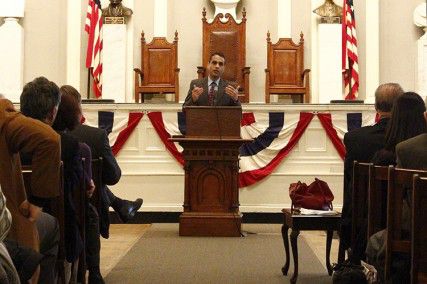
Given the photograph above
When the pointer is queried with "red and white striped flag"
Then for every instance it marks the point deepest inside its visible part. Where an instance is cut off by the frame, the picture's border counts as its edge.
(94, 44)
(350, 59)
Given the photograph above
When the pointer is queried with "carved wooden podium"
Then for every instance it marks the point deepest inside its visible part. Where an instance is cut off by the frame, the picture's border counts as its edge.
(211, 153)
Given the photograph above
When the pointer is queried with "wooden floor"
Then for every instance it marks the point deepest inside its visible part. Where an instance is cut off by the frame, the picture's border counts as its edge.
(123, 237)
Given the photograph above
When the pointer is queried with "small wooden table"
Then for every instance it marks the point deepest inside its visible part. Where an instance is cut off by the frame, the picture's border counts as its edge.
(299, 223)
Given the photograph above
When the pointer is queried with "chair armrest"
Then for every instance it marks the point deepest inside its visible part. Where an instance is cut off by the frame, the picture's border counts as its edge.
(139, 72)
(305, 73)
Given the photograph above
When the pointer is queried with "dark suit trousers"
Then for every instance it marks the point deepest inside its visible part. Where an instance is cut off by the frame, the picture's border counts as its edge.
(93, 244)
(48, 229)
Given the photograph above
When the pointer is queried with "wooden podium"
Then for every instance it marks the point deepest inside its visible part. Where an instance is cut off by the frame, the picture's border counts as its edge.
(211, 153)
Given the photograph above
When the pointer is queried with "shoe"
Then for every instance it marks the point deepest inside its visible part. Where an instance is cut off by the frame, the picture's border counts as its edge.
(127, 209)
(95, 277)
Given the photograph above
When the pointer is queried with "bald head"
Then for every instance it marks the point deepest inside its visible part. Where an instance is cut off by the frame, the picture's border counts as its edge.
(385, 96)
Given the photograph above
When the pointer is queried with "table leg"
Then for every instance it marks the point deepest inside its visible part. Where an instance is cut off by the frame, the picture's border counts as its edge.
(294, 238)
(286, 243)
(328, 250)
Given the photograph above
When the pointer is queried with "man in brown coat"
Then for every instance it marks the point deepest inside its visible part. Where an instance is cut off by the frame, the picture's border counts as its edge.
(19, 133)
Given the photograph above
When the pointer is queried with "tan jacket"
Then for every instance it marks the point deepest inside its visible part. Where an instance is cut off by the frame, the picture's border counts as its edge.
(20, 133)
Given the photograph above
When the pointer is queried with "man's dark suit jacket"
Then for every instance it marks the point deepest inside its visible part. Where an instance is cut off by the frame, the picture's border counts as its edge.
(412, 153)
(221, 98)
(97, 140)
(361, 145)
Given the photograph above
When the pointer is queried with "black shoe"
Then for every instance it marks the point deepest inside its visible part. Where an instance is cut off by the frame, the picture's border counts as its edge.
(126, 209)
(95, 277)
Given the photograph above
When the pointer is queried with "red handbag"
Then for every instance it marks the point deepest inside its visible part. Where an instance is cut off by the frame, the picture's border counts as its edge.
(316, 196)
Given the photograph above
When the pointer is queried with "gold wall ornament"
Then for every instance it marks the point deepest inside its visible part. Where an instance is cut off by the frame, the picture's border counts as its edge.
(329, 10)
(116, 9)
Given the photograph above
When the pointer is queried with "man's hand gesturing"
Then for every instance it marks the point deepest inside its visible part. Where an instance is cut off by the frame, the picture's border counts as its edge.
(232, 92)
(196, 92)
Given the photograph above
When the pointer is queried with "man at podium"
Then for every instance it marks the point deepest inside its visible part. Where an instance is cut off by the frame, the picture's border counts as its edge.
(212, 90)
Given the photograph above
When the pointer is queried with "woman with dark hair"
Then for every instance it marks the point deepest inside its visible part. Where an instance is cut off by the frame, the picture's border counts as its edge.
(67, 118)
(407, 121)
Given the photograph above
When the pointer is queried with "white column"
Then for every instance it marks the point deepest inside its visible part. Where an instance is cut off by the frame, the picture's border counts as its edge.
(12, 49)
(420, 20)
(160, 18)
(372, 69)
(74, 29)
(329, 63)
(314, 74)
(114, 62)
(284, 18)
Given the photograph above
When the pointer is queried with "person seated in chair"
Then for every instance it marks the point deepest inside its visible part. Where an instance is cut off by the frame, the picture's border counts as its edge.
(97, 140)
(31, 227)
(213, 90)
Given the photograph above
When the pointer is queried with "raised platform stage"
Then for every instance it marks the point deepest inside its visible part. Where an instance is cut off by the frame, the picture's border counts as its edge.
(150, 171)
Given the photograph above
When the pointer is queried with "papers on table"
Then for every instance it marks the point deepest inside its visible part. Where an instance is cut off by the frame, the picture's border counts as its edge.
(304, 211)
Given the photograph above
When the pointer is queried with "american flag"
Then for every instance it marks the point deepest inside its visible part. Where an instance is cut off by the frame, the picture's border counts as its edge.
(350, 66)
(94, 45)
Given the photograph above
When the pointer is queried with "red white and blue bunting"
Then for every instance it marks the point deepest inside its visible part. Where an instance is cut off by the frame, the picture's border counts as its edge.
(273, 134)
(119, 125)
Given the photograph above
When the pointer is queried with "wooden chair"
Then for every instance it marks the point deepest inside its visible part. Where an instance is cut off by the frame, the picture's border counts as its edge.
(359, 207)
(228, 37)
(56, 209)
(419, 231)
(377, 199)
(285, 73)
(399, 181)
(159, 73)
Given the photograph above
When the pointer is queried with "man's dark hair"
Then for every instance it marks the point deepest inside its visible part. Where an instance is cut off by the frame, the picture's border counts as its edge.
(386, 95)
(39, 97)
(220, 54)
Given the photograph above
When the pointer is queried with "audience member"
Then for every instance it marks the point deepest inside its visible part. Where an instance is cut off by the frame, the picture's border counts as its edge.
(8, 273)
(66, 120)
(407, 120)
(361, 145)
(98, 142)
(212, 90)
(40, 100)
(412, 153)
(31, 227)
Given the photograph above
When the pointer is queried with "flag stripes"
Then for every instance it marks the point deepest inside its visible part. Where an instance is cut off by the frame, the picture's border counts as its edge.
(349, 52)
(93, 27)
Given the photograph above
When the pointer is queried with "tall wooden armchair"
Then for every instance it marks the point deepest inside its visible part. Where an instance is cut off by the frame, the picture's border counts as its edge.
(159, 73)
(228, 37)
(285, 73)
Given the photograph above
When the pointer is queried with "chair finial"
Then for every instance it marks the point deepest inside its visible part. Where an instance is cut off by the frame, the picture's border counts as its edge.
(244, 13)
(176, 36)
(143, 36)
(268, 36)
(204, 14)
(301, 37)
